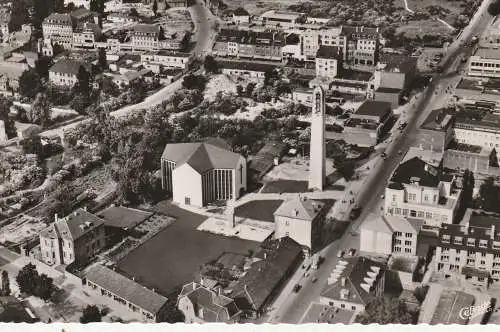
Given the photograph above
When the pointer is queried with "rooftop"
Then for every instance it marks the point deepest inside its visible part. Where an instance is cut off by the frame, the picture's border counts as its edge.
(355, 75)
(374, 107)
(360, 32)
(240, 11)
(488, 53)
(329, 52)
(66, 66)
(416, 168)
(74, 225)
(123, 217)
(251, 37)
(125, 288)
(147, 29)
(398, 63)
(282, 15)
(249, 66)
(390, 224)
(200, 156)
(431, 157)
(491, 85)
(59, 19)
(438, 119)
(300, 208)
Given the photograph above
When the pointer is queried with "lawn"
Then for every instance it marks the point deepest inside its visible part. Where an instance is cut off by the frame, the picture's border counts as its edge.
(259, 210)
(173, 257)
(285, 186)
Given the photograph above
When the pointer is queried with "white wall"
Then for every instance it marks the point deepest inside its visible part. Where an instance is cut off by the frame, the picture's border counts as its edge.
(298, 230)
(186, 182)
(375, 242)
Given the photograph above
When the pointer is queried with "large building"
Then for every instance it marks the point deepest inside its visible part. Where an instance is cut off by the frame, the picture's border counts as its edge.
(65, 72)
(146, 37)
(301, 219)
(58, 28)
(353, 283)
(485, 63)
(77, 237)
(471, 248)
(390, 235)
(250, 44)
(436, 132)
(328, 62)
(312, 39)
(200, 304)
(484, 132)
(86, 35)
(213, 173)
(107, 283)
(245, 69)
(420, 190)
(167, 59)
(362, 45)
(317, 169)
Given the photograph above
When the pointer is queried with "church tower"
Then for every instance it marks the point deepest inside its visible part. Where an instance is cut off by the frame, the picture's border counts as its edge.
(317, 148)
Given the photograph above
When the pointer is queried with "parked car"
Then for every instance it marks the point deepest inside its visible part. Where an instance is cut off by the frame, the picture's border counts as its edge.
(314, 279)
(355, 212)
(383, 155)
(352, 251)
(296, 288)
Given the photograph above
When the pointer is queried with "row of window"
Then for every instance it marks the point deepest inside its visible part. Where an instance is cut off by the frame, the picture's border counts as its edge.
(417, 214)
(398, 249)
(485, 64)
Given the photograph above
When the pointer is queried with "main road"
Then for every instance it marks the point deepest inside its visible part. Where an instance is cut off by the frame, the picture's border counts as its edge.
(296, 304)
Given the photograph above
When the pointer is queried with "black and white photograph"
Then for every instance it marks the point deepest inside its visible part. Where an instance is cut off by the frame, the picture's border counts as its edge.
(249, 162)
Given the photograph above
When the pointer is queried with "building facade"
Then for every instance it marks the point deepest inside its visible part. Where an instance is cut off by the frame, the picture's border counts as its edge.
(59, 28)
(65, 72)
(419, 190)
(167, 59)
(77, 237)
(250, 44)
(328, 62)
(214, 173)
(485, 63)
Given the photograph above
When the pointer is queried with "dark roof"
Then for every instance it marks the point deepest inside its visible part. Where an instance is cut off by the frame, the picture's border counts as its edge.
(438, 119)
(123, 217)
(240, 11)
(484, 220)
(249, 66)
(359, 32)
(150, 29)
(217, 308)
(255, 288)
(74, 225)
(388, 90)
(374, 107)
(125, 288)
(59, 19)
(356, 272)
(397, 62)
(329, 52)
(300, 208)
(471, 271)
(67, 66)
(201, 156)
(427, 175)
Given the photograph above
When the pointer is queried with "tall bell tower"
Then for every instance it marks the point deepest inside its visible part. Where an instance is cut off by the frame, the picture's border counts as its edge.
(317, 148)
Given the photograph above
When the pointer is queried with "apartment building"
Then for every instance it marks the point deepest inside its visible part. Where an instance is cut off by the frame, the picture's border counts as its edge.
(250, 44)
(58, 28)
(353, 283)
(145, 37)
(388, 235)
(362, 45)
(484, 132)
(419, 190)
(86, 35)
(485, 63)
(328, 62)
(312, 39)
(167, 59)
(471, 248)
(78, 237)
(301, 219)
(282, 19)
(213, 173)
(65, 72)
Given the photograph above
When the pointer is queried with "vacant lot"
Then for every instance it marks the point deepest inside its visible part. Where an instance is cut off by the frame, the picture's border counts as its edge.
(172, 257)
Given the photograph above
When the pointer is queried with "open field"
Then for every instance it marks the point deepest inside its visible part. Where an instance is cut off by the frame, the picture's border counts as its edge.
(172, 257)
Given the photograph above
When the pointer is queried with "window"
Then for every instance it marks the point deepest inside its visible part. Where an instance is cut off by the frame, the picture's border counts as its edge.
(482, 262)
(457, 259)
(413, 213)
(405, 212)
(397, 241)
(408, 235)
(408, 243)
(426, 197)
(420, 214)
(428, 215)
(353, 307)
(398, 233)
(408, 250)
(397, 211)
(342, 305)
(397, 249)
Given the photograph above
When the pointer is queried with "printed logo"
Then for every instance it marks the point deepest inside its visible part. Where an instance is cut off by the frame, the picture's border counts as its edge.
(474, 310)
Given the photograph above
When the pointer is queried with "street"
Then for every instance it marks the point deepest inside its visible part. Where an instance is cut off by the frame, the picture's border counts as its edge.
(295, 306)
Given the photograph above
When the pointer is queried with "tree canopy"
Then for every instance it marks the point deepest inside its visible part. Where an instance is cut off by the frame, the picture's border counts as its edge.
(384, 310)
(91, 314)
(30, 282)
(489, 195)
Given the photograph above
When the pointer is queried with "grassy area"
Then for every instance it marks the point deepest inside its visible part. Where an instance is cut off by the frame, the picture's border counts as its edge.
(259, 210)
(172, 257)
(422, 28)
(261, 6)
(285, 186)
(449, 11)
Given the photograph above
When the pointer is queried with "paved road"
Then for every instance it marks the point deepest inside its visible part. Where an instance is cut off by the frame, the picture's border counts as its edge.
(292, 310)
(205, 24)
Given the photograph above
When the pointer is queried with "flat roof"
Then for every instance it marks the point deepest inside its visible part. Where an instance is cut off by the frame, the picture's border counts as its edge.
(374, 107)
(123, 217)
(488, 53)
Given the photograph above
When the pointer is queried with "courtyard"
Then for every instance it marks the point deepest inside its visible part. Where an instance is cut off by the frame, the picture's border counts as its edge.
(172, 257)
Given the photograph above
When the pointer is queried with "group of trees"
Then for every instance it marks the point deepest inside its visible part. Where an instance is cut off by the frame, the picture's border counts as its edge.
(387, 310)
(494, 8)
(32, 283)
(489, 195)
(9, 125)
(91, 314)
(5, 290)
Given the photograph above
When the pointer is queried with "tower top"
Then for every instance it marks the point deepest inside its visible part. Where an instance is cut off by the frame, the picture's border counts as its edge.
(318, 101)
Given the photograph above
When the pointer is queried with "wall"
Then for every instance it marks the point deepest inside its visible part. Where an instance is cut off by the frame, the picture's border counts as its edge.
(375, 242)
(478, 163)
(433, 140)
(297, 229)
(182, 175)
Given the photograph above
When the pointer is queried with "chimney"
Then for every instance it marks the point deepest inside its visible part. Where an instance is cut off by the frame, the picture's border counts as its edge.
(265, 255)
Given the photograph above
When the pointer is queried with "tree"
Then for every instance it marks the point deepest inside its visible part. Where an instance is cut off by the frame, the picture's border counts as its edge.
(42, 66)
(467, 190)
(33, 145)
(211, 65)
(489, 194)
(5, 284)
(39, 112)
(19, 15)
(155, 7)
(383, 310)
(90, 314)
(493, 158)
(97, 6)
(250, 88)
(345, 167)
(27, 279)
(239, 90)
(494, 8)
(44, 287)
(194, 82)
(134, 13)
(29, 83)
(103, 63)
(9, 124)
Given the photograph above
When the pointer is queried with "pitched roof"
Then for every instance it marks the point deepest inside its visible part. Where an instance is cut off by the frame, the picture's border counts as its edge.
(427, 175)
(67, 66)
(329, 52)
(300, 208)
(125, 288)
(60, 19)
(123, 217)
(200, 156)
(398, 63)
(360, 273)
(77, 224)
(217, 308)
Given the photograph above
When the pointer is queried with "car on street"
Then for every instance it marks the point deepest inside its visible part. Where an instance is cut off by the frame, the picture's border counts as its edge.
(383, 155)
(352, 251)
(314, 279)
(296, 288)
(340, 254)
(355, 213)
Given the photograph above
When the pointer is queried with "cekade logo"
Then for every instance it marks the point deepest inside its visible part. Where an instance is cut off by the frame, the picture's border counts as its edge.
(474, 310)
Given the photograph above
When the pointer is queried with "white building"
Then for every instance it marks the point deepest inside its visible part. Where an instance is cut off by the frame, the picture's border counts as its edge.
(484, 132)
(86, 35)
(390, 235)
(301, 219)
(167, 59)
(419, 190)
(328, 62)
(213, 173)
(317, 170)
(145, 37)
(312, 39)
(58, 28)
(65, 72)
(241, 16)
(245, 69)
(485, 63)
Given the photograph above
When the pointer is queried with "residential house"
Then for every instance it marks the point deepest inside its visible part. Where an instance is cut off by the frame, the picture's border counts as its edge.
(200, 304)
(419, 190)
(302, 220)
(107, 283)
(328, 62)
(471, 248)
(78, 237)
(213, 173)
(436, 132)
(241, 16)
(10, 73)
(65, 72)
(390, 235)
(353, 283)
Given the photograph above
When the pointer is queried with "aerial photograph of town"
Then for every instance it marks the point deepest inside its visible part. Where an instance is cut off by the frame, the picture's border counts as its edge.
(258, 161)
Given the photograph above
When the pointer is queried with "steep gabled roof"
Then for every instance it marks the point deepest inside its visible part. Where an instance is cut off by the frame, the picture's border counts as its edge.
(77, 223)
(300, 208)
(201, 156)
